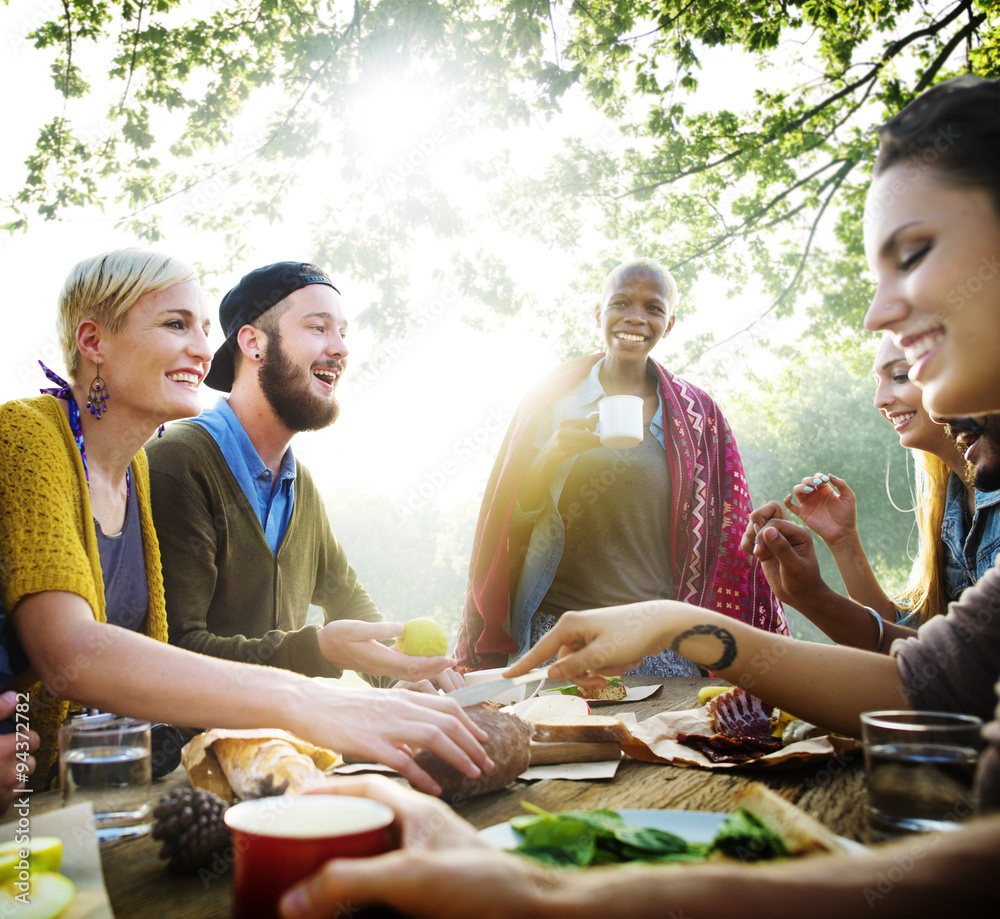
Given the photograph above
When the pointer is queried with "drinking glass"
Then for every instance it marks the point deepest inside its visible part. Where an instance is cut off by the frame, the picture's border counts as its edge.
(106, 760)
(920, 769)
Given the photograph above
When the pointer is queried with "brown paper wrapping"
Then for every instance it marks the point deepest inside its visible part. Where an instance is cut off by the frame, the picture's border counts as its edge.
(234, 763)
(654, 741)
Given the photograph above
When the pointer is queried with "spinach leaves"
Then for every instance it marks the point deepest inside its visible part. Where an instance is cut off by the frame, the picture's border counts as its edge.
(579, 839)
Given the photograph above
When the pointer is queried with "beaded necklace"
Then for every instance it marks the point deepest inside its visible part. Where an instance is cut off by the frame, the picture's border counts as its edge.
(62, 390)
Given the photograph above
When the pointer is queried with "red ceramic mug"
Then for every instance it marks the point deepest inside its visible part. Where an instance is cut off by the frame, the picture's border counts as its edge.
(281, 840)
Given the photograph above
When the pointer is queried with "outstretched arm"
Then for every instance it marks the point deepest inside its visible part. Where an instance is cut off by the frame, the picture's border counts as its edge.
(443, 871)
(120, 671)
(823, 684)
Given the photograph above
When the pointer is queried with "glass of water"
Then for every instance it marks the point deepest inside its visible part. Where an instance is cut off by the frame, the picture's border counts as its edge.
(920, 767)
(106, 760)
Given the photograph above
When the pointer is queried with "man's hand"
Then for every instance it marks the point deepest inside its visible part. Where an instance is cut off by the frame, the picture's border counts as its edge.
(757, 520)
(437, 846)
(422, 822)
(355, 644)
(571, 437)
(10, 779)
(448, 680)
(786, 554)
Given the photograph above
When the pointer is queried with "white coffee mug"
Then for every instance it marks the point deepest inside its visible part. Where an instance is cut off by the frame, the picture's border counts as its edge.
(620, 422)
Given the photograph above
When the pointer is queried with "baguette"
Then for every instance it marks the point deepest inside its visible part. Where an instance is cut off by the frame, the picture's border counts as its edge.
(592, 729)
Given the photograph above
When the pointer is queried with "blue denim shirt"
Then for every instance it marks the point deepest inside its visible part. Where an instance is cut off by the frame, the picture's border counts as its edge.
(547, 537)
(273, 505)
(969, 555)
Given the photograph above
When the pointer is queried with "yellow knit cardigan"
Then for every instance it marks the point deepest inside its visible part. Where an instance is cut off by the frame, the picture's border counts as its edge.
(48, 542)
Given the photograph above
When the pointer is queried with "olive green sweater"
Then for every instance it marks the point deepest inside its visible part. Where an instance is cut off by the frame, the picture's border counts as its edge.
(228, 595)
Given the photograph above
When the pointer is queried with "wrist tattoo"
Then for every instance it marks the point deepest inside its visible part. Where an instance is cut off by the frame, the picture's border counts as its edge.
(723, 635)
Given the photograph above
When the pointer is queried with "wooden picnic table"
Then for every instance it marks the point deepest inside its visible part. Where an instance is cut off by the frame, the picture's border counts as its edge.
(832, 790)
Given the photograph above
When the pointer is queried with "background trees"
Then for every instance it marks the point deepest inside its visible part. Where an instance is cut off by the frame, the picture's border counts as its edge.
(513, 150)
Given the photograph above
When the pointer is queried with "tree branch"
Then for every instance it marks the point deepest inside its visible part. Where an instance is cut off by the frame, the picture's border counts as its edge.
(966, 32)
(317, 73)
(131, 69)
(837, 181)
(890, 52)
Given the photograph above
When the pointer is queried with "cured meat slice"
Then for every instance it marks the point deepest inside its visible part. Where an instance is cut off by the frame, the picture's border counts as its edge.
(740, 715)
(743, 729)
(722, 749)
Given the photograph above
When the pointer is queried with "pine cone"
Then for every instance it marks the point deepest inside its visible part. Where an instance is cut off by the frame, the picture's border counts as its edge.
(190, 825)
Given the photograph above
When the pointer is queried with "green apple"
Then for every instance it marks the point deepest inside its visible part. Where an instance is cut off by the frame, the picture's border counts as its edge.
(423, 638)
(47, 897)
(44, 854)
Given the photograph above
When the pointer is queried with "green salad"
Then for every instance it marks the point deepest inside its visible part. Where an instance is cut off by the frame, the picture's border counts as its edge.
(580, 839)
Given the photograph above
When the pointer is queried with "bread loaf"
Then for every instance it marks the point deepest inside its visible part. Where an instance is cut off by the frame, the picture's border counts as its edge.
(507, 746)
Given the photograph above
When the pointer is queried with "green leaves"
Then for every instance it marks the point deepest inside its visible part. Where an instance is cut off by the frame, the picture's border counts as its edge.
(581, 839)
(262, 92)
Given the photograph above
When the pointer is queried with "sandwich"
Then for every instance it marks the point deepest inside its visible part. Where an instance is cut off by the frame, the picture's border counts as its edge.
(614, 691)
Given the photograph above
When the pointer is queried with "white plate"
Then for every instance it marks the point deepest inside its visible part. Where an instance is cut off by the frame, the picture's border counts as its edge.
(694, 826)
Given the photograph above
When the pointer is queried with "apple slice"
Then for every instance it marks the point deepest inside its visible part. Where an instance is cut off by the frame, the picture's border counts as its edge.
(48, 896)
(44, 854)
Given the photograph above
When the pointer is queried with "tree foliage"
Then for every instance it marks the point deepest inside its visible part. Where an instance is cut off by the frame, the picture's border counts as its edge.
(224, 116)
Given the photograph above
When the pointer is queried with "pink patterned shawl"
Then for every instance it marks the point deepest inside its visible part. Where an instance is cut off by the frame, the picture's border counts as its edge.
(709, 490)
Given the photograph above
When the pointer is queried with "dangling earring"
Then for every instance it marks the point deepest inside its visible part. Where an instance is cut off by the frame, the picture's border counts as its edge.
(97, 395)
(163, 427)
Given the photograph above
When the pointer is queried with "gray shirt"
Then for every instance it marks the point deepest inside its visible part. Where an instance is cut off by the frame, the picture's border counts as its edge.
(126, 591)
(617, 523)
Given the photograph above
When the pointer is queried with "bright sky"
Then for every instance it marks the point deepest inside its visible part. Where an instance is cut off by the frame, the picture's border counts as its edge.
(427, 422)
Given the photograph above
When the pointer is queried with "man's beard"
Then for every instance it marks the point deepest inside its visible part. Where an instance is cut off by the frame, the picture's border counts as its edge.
(297, 407)
(986, 473)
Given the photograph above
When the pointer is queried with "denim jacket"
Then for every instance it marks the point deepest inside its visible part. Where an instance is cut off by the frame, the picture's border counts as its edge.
(547, 538)
(969, 555)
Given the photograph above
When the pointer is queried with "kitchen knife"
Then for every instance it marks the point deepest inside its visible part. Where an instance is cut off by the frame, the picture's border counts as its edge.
(480, 692)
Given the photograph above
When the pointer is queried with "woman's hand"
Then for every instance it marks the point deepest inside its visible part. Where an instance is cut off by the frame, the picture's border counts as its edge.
(605, 641)
(827, 506)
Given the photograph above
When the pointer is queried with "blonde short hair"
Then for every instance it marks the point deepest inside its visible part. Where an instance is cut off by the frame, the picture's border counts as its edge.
(645, 264)
(105, 287)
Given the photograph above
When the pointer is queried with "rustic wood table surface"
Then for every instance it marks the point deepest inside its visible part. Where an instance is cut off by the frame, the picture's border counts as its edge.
(832, 791)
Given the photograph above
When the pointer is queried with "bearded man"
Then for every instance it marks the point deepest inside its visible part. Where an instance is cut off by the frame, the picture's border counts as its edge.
(244, 537)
